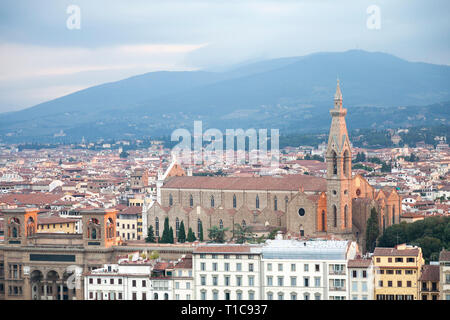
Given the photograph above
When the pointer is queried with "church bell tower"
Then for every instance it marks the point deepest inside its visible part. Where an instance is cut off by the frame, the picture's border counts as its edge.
(339, 171)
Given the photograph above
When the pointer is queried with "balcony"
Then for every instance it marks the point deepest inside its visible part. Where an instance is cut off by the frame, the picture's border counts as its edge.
(337, 288)
(337, 272)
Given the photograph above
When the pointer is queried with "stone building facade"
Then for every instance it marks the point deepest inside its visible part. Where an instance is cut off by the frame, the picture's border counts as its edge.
(300, 205)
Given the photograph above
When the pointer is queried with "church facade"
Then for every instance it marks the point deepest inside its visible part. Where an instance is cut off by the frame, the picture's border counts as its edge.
(300, 205)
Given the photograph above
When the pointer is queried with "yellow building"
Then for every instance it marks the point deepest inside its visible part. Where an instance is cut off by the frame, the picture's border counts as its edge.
(397, 272)
(129, 223)
(56, 225)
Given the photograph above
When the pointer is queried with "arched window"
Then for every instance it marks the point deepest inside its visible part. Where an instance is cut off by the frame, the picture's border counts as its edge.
(393, 214)
(346, 161)
(14, 232)
(334, 162)
(170, 200)
(177, 226)
(94, 234)
(212, 201)
(334, 216)
(243, 224)
(345, 216)
(234, 201)
(221, 224)
(157, 227)
(275, 203)
(191, 201)
(257, 202)
(166, 296)
(155, 296)
(323, 220)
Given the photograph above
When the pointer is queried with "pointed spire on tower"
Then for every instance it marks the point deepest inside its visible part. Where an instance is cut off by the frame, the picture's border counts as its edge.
(338, 96)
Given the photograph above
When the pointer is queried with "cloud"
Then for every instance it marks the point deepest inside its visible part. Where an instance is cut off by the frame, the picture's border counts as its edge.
(30, 74)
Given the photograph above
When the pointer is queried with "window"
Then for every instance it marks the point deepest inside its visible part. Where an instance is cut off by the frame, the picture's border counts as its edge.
(306, 267)
(238, 266)
(399, 284)
(280, 295)
(364, 286)
(250, 267)
(317, 281)
(251, 281)
(134, 283)
(280, 281)
(293, 296)
(410, 260)
(203, 280)
(269, 281)
(215, 295)
(354, 274)
(170, 200)
(293, 281)
(212, 201)
(306, 281)
(354, 286)
(269, 267)
(317, 267)
(238, 281)
(251, 295)
(280, 267)
(398, 259)
(234, 201)
(227, 280)
(227, 266)
(214, 281)
(275, 203)
(214, 266)
(334, 216)
(257, 202)
(293, 267)
(202, 266)
(191, 201)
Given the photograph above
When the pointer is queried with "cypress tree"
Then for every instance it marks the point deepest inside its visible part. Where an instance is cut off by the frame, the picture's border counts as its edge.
(200, 231)
(372, 231)
(170, 235)
(191, 236)
(150, 235)
(182, 233)
(165, 235)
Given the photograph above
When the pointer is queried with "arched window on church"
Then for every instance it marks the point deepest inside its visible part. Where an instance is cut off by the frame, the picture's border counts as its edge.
(191, 201)
(234, 201)
(257, 202)
(345, 216)
(275, 203)
(393, 214)
(212, 201)
(177, 226)
(157, 227)
(323, 220)
(334, 162)
(334, 216)
(170, 200)
(346, 161)
(220, 224)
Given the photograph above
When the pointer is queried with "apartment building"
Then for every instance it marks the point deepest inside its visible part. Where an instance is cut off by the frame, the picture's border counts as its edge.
(361, 279)
(183, 281)
(444, 275)
(429, 283)
(227, 272)
(306, 270)
(397, 272)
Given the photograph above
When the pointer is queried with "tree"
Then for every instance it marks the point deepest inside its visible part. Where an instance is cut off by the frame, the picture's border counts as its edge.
(385, 167)
(217, 234)
(200, 232)
(165, 235)
(242, 234)
(191, 236)
(182, 233)
(154, 255)
(171, 239)
(372, 231)
(150, 235)
(124, 155)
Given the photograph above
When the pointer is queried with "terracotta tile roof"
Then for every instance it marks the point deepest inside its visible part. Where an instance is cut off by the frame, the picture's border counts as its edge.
(131, 210)
(444, 255)
(359, 263)
(285, 183)
(395, 252)
(53, 219)
(185, 263)
(430, 273)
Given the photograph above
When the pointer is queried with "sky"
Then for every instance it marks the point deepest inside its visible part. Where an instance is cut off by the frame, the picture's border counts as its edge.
(51, 48)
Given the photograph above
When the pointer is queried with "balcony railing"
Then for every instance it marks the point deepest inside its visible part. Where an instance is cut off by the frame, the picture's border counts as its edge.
(337, 272)
(337, 288)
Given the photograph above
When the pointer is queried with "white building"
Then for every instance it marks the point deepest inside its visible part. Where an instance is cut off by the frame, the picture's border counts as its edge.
(306, 270)
(279, 269)
(123, 281)
(227, 272)
(361, 279)
(183, 281)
